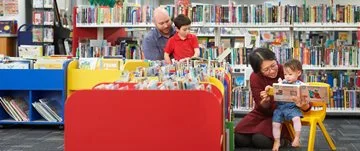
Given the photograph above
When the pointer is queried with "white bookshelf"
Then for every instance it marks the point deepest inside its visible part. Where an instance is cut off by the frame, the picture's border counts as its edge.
(232, 35)
(334, 112)
(347, 112)
(250, 25)
(80, 25)
(205, 35)
(326, 26)
(306, 67)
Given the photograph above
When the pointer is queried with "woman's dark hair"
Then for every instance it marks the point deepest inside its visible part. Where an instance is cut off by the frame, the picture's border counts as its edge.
(257, 57)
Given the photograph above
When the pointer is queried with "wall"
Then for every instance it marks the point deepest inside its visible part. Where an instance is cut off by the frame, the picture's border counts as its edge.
(20, 17)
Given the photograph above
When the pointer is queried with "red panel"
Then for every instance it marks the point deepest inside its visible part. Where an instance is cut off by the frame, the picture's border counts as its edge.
(110, 34)
(133, 120)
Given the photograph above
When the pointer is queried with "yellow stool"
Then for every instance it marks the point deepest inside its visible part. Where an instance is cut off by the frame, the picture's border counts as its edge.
(313, 118)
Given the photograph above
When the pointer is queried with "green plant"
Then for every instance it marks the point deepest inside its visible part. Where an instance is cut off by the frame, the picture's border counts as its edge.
(110, 3)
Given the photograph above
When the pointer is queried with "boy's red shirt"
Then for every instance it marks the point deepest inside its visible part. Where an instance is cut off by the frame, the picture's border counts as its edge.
(181, 48)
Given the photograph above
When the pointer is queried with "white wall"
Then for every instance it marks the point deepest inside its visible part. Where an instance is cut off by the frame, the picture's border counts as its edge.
(61, 4)
(20, 17)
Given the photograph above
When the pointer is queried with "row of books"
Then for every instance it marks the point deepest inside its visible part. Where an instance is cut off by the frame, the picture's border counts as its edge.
(35, 51)
(340, 79)
(48, 109)
(40, 34)
(127, 14)
(268, 13)
(100, 64)
(33, 63)
(16, 108)
(94, 48)
(43, 3)
(242, 99)
(347, 56)
(351, 98)
(43, 18)
(210, 13)
(342, 99)
(327, 48)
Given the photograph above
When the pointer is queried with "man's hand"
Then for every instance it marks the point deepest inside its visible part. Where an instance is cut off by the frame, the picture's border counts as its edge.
(184, 59)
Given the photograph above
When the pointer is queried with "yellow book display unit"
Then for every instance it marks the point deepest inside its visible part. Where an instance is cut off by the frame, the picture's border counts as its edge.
(78, 79)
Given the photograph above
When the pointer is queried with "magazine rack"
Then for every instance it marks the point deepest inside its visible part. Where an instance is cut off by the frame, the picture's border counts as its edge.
(32, 85)
(158, 120)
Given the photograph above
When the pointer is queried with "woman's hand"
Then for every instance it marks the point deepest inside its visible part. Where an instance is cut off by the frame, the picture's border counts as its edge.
(301, 102)
(265, 98)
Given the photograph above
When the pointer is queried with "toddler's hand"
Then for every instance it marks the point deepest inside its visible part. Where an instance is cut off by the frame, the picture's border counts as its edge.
(300, 102)
(280, 80)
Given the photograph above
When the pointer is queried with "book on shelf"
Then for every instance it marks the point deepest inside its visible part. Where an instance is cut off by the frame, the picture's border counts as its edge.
(49, 63)
(48, 35)
(16, 64)
(284, 92)
(21, 107)
(52, 107)
(42, 111)
(100, 63)
(37, 18)
(30, 51)
(5, 102)
(8, 27)
(16, 108)
(42, 4)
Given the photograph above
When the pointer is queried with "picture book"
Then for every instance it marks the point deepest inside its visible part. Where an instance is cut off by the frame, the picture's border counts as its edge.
(30, 51)
(37, 18)
(284, 92)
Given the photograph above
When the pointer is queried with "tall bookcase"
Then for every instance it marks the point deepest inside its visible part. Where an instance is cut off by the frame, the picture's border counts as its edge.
(252, 23)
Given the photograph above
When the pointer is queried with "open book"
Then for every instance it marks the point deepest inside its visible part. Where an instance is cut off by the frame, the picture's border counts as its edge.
(284, 92)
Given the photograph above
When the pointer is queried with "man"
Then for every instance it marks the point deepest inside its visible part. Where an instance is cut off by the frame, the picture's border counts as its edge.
(155, 41)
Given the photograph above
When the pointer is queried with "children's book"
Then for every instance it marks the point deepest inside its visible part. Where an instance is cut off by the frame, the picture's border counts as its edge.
(284, 92)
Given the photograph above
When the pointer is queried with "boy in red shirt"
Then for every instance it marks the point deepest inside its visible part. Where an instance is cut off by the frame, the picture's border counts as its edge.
(182, 45)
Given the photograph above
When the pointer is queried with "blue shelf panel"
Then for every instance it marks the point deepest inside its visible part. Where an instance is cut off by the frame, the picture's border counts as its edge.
(25, 95)
(51, 96)
(29, 79)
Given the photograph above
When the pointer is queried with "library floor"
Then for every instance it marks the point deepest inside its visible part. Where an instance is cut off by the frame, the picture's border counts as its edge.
(344, 130)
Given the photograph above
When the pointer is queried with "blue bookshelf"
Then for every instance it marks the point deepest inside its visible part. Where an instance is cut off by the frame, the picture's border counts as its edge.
(31, 85)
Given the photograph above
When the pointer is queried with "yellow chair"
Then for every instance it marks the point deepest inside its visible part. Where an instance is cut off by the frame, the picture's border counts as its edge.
(314, 118)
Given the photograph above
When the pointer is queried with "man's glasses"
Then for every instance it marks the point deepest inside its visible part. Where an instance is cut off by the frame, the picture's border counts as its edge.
(274, 66)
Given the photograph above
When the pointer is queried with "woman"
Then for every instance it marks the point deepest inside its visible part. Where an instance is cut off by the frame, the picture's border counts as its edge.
(255, 129)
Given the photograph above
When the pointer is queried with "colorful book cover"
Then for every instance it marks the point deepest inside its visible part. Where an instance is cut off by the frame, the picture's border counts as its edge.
(284, 92)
